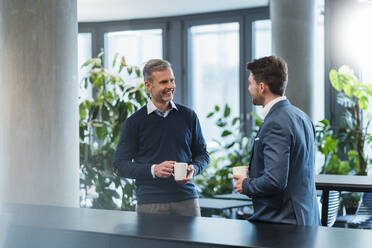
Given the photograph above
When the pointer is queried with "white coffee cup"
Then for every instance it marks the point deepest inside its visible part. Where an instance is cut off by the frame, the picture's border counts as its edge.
(180, 170)
(240, 170)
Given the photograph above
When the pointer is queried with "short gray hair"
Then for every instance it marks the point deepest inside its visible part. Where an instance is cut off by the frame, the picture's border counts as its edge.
(154, 65)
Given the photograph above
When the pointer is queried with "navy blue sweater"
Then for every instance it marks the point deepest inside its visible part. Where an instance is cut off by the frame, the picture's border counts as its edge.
(151, 139)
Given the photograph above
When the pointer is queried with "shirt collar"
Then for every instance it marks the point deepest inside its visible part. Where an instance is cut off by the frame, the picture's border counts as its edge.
(270, 104)
(151, 106)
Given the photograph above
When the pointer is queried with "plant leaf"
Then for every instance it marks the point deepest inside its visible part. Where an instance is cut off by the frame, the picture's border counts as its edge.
(210, 114)
(114, 61)
(227, 111)
(226, 133)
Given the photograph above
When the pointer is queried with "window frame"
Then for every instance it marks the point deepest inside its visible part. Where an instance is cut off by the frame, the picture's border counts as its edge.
(176, 45)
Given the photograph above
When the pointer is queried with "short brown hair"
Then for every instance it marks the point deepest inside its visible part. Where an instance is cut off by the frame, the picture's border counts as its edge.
(154, 65)
(273, 71)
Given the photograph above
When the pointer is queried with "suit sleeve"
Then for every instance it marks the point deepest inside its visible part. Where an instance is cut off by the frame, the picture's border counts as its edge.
(124, 158)
(276, 146)
(200, 157)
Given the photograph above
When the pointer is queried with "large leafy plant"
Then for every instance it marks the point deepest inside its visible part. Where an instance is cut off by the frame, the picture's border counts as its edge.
(101, 120)
(345, 148)
(233, 149)
(328, 145)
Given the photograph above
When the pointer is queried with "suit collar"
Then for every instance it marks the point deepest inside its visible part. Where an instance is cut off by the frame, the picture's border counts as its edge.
(270, 104)
(276, 106)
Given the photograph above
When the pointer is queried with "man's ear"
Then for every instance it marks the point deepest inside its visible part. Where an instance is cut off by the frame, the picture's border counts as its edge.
(262, 86)
(148, 85)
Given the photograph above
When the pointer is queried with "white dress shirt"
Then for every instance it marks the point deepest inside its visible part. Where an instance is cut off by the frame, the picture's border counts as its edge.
(151, 108)
(270, 104)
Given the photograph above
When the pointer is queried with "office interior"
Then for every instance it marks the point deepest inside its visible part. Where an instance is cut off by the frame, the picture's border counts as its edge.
(43, 45)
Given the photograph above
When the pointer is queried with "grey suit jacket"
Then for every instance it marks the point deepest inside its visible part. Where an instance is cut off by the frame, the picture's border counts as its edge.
(281, 176)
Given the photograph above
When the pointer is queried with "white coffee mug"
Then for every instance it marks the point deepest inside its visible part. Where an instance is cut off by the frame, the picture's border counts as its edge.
(180, 170)
(240, 170)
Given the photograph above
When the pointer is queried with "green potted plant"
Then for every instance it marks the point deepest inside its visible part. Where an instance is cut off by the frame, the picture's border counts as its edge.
(234, 148)
(345, 148)
(101, 120)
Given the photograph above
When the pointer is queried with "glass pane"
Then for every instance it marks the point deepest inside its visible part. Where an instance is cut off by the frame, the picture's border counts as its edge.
(136, 46)
(365, 62)
(356, 40)
(84, 54)
(261, 45)
(214, 74)
(318, 96)
(366, 77)
(261, 38)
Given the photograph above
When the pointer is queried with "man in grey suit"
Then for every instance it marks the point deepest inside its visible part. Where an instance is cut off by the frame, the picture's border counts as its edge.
(281, 174)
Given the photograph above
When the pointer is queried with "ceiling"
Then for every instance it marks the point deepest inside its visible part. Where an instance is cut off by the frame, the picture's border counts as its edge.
(109, 10)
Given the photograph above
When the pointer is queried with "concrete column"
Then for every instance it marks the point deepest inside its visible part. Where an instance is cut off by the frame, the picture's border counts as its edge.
(293, 40)
(39, 93)
(2, 162)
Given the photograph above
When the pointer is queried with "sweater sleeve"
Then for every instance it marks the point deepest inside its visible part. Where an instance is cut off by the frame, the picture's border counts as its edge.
(200, 157)
(124, 158)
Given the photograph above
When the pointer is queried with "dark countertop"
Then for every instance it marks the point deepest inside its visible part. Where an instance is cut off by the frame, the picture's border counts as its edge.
(233, 196)
(346, 183)
(340, 183)
(221, 204)
(103, 228)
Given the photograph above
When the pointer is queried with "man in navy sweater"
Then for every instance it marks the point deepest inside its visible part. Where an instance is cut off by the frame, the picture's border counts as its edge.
(153, 139)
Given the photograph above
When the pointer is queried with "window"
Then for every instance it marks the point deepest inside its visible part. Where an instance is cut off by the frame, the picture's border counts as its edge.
(355, 41)
(318, 96)
(261, 38)
(84, 54)
(207, 52)
(261, 45)
(136, 46)
(363, 49)
(214, 67)
(366, 77)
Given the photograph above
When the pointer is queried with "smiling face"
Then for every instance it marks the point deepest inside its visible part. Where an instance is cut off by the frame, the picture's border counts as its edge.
(162, 86)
